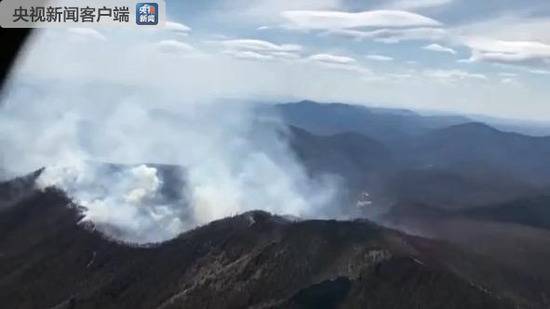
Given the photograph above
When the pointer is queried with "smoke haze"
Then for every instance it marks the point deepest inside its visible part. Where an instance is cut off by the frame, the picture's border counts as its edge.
(114, 148)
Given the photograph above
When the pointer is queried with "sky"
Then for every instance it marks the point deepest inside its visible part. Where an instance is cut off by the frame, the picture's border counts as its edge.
(480, 57)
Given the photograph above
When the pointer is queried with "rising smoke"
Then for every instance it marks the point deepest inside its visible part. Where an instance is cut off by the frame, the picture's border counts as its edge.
(109, 147)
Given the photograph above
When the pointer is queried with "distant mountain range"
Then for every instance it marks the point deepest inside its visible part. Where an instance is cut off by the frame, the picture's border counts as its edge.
(331, 118)
(454, 179)
(384, 124)
(401, 156)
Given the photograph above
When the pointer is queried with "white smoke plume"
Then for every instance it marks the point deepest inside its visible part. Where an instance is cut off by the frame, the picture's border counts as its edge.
(109, 145)
(123, 203)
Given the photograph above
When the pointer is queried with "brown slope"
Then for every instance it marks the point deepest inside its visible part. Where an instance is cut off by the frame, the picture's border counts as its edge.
(252, 260)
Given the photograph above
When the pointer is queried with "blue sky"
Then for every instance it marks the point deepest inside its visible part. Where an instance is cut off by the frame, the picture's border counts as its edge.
(485, 57)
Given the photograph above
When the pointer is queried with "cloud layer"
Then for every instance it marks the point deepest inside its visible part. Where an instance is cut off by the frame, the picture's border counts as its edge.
(327, 20)
(486, 49)
(439, 48)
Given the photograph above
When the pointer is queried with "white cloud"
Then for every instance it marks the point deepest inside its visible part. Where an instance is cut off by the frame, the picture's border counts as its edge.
(260, 46)
(438, 48)
(507, 74)
(87, 33)
(248, 55)
(507, 28)
(379, 57)
(328, 58)
(330, 20)
(259, 49)
(416, 4)
(509, 81)
(539, 72)
(285, 55)
(174, 47)
(487, 49)
(391, 36)
(177, 27)
(339, 63)
(453, 75)
(511, 39)
(267, 11)
(400, 76)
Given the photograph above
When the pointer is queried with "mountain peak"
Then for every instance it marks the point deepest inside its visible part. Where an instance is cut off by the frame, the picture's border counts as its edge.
(474, 125)
(471, 129)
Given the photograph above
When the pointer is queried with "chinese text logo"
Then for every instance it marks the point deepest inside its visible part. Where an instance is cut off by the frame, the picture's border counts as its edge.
(147, 14)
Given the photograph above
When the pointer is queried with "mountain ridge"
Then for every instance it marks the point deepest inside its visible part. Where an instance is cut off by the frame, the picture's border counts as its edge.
(254, 259)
